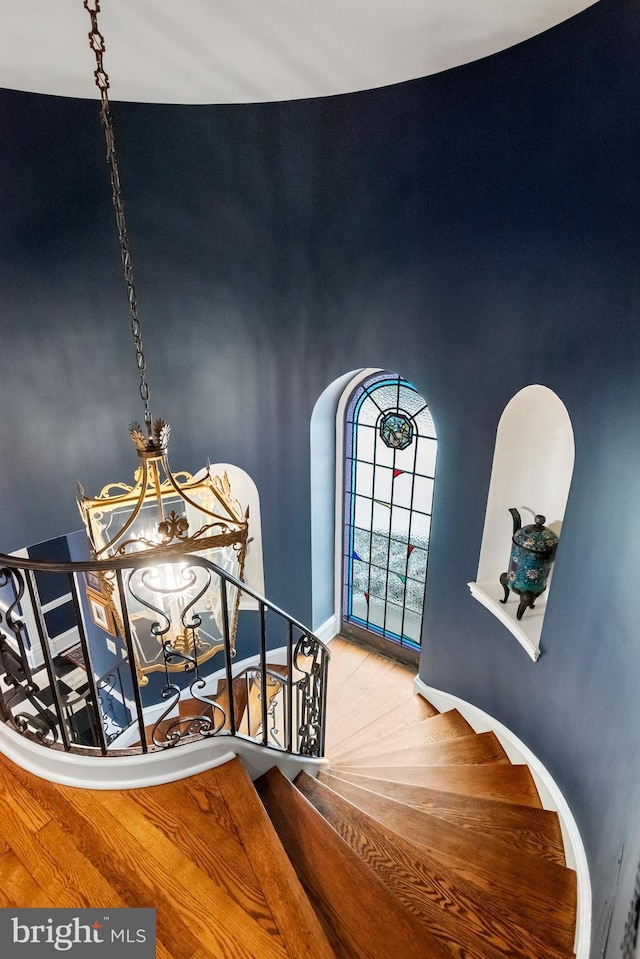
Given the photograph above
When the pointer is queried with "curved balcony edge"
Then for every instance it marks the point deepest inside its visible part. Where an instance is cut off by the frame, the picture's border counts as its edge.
(135, 772)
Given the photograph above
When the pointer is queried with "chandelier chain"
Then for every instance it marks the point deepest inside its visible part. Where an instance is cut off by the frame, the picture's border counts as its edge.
(96, 42)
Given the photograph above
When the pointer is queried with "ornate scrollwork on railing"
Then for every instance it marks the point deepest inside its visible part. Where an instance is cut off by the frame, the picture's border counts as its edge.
(109, 687)
(42, 725)
(311, 659)
(179, 614)
(169, 730)
(17, 687)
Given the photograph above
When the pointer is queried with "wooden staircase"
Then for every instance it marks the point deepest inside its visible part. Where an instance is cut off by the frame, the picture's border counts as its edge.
(420, 840)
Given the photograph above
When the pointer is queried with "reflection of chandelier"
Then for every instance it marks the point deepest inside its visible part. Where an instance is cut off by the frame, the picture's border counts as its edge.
(162, 511)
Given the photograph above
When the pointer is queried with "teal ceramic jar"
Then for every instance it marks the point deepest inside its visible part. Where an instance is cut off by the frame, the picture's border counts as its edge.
(533, 550)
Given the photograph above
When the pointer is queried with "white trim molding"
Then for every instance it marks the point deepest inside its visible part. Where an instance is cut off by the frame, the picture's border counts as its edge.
(550, 796)
(134, 772)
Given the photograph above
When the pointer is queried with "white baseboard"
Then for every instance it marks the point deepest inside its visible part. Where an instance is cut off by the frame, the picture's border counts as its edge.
(327, 630)
(550, 796)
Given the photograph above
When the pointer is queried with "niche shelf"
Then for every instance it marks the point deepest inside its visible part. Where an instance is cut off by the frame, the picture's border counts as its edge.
(532, 469)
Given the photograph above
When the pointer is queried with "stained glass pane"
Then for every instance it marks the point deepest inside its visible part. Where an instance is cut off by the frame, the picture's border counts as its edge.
(364, 479)
(377, 608)
(360, 607)
(368, 413)
(406, 459)
(400, 522)
(423, 493)
(362, 514)
(362, 544)
(412, 625)
(383, 484)
(381, 516)
(396, 430)
(402, 488)
(389, 465)
(417, 563)
(365, 441)
(426, 457)
(386, 396)
(425, 423)
(394, 620)
(420, 529)
(380, 548)
(384, 455)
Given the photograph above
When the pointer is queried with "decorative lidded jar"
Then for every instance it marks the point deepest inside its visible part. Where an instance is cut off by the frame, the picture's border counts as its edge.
(533, 550)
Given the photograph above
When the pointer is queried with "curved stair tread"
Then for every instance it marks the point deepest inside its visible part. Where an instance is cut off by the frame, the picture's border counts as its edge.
(508, 783)
(346, 729)
(477, 749)
(438, 728)
(297, 923)
(451, 906)
(535, 830)
(528, 886)
(362, 919)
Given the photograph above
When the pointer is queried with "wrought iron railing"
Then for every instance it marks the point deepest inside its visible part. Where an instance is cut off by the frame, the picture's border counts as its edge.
(141, 656)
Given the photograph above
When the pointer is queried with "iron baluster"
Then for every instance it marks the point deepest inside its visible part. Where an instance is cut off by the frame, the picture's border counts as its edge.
(46, 653)
(227, 654)
(289, 687)
(263, 674)
(92, 702)
(131, 656)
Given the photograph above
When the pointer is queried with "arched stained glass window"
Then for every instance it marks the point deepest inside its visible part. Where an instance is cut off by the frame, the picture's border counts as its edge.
(390, 460)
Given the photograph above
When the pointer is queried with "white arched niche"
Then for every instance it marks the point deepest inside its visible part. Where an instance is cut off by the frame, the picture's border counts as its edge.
(244, 490)
(532, 469)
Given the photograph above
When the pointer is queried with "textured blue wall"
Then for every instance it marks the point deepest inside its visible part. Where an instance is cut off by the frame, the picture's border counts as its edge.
(476, 231)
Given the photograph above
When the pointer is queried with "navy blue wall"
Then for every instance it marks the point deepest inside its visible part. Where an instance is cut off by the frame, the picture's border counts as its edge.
(476, 231)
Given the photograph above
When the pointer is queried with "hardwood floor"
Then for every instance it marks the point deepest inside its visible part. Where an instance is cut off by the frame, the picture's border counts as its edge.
(179, 848)
(421, 840)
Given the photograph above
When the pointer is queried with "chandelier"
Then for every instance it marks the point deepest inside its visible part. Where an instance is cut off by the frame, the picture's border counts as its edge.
(161, 511)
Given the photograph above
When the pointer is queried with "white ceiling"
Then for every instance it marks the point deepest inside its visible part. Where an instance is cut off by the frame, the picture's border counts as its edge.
(229, 51)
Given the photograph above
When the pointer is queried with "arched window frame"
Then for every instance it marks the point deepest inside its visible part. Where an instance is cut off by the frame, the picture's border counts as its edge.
(419, 509)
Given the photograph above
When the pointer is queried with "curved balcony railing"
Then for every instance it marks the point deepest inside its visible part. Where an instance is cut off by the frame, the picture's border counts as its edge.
(136, 654)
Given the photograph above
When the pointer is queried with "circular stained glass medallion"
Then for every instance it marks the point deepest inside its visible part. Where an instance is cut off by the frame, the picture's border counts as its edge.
(396, 430)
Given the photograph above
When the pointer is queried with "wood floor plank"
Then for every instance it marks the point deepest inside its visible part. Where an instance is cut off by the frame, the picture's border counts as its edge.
(212, 912)
(296, 921)
(452, 907)
(476, 749)
(21, 837)
(17, 887)
(147, 870)
(89, 827)
(202, 797)
(513, 784)
(61, 846)
(535, 830)
(218, 853)
(375, 684)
